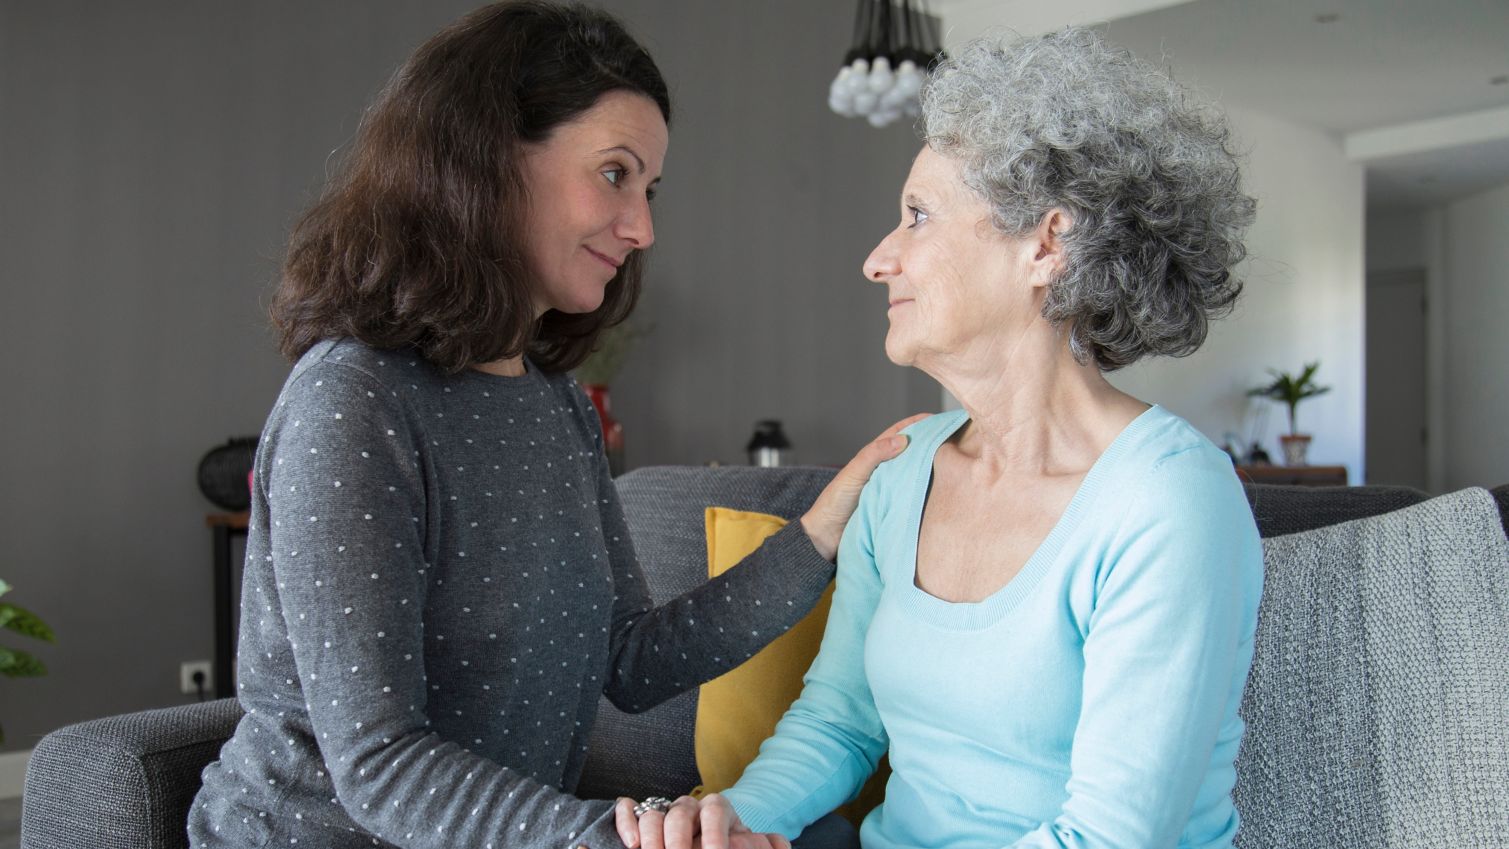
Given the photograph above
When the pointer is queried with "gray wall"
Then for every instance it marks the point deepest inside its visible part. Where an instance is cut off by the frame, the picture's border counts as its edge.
(151, 157)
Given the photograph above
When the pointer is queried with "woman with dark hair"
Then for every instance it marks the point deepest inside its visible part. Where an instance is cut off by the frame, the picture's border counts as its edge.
(1046, 606)
(439, 581)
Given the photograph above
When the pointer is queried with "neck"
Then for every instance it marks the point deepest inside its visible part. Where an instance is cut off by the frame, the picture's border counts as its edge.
(1033, 409)
(511, 367)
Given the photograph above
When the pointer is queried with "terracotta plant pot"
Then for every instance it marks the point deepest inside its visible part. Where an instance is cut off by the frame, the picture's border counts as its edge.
(1296, 448)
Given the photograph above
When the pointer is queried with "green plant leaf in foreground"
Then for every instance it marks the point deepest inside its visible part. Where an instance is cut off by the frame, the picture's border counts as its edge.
(19, 664)
(24, 622)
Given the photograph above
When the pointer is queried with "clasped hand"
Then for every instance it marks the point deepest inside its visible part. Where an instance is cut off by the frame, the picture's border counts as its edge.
(708, 823)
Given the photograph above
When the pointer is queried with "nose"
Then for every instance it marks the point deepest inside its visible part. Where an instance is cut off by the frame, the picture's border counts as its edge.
(636, 225)
(882, 263)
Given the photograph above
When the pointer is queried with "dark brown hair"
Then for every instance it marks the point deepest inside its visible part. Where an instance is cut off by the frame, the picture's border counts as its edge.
(417, 241)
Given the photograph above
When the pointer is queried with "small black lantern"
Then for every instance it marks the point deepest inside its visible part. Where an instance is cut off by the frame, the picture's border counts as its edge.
(769, 445)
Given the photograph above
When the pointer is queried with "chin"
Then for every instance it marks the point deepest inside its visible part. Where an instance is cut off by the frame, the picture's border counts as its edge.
(899, 351)
(584, 302)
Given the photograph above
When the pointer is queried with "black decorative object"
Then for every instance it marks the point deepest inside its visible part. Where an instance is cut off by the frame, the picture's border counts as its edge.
(769, 446)
(223, 471)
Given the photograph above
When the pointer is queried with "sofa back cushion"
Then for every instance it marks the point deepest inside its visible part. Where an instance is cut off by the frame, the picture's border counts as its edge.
(1281, 510)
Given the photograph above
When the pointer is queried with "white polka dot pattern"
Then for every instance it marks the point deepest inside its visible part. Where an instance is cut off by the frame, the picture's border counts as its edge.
(439, 588)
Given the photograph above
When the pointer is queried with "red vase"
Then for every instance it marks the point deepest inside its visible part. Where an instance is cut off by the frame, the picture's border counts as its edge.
(613, 430)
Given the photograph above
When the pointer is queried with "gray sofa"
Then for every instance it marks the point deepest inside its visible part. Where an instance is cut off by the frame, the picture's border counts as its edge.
(1371, 723)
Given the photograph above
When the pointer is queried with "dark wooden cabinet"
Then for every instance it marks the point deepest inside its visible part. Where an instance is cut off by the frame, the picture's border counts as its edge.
(1295, 475)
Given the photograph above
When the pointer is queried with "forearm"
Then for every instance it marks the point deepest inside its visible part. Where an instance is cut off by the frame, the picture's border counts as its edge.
(831, 739)
(662, 652)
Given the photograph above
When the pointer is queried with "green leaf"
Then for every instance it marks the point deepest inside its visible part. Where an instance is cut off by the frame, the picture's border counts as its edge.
(19, 664)
(4, 587)
(24, 622)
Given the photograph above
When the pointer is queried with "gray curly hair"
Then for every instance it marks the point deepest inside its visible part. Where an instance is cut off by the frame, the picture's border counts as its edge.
(1143, 169)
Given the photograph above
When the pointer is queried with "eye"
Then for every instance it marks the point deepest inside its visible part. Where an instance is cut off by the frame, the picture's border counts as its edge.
(614, 174)
(918, 216)
(649, 194)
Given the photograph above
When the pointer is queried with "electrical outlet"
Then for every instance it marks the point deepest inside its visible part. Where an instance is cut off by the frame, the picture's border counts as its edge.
(186, 676)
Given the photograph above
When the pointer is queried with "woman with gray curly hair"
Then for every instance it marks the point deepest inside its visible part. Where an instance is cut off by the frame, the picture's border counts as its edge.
(1046, 606)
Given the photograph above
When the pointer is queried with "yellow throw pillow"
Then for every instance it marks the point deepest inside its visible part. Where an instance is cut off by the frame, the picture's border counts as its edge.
(738, 710)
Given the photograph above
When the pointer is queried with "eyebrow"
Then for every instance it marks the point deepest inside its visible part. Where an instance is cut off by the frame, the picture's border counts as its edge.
(910, 199)
(628, 151)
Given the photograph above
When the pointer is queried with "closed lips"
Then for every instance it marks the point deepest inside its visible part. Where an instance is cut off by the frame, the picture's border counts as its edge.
(607, 259)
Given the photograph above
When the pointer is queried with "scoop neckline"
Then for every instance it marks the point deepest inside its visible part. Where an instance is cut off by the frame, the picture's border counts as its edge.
(972, 615)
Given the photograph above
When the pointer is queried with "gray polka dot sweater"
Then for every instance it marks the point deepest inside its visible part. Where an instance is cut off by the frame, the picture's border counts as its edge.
(439, 587)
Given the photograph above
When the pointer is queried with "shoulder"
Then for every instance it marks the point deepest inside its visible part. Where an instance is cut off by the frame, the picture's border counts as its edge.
(916, 460)
(346, 364)
(346, 381)
(902, 479)
(1166, 456)
(1175, 490)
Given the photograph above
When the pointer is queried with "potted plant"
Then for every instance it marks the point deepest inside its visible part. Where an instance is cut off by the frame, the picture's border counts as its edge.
(15, 663)
(595, 373)
(1290, 390)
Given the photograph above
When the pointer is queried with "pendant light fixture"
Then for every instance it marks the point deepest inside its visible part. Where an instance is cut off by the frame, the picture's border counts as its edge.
(894, 45)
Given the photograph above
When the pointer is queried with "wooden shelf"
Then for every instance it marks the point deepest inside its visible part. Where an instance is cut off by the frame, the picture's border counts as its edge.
(1295, 475)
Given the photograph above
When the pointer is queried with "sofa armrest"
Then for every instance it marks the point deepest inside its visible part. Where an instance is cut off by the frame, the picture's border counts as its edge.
(122, 781)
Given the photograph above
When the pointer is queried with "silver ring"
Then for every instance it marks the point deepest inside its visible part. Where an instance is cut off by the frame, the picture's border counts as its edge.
(653, 803)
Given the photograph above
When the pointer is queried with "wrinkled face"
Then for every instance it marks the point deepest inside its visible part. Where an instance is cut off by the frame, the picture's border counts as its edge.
(590, 185)
(954, 281)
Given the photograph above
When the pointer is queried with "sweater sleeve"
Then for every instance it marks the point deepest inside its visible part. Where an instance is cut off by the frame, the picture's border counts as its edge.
(343, 478)
(1166, 650)
(660, 652)
(831, 739)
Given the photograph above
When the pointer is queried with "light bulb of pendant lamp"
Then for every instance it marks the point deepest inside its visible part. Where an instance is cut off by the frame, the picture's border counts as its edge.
(895, 97)
(840, 82)
(882, 117)
(881, 76)
(840, 95)
(909, 77)
(859, 77)
(865, 102)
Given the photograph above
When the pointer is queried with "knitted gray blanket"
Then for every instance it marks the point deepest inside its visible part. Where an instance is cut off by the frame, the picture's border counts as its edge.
(1378, 703)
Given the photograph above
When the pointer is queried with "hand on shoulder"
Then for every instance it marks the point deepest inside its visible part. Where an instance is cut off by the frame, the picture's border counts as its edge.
(825, 521)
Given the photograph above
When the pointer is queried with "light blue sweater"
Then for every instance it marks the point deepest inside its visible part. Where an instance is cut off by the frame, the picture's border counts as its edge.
(1091, 702)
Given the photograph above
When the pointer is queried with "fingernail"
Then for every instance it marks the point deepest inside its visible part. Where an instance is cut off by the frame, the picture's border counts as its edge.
(901, 441)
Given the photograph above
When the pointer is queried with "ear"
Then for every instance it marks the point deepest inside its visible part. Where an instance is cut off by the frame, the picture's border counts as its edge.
(1046, 244)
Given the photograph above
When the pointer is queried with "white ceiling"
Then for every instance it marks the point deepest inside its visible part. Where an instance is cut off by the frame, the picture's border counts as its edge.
(1407, 86)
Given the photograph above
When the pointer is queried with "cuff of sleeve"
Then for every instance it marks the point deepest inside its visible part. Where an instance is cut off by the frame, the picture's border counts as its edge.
(750, 813)
(798, 557)
(600, 833)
